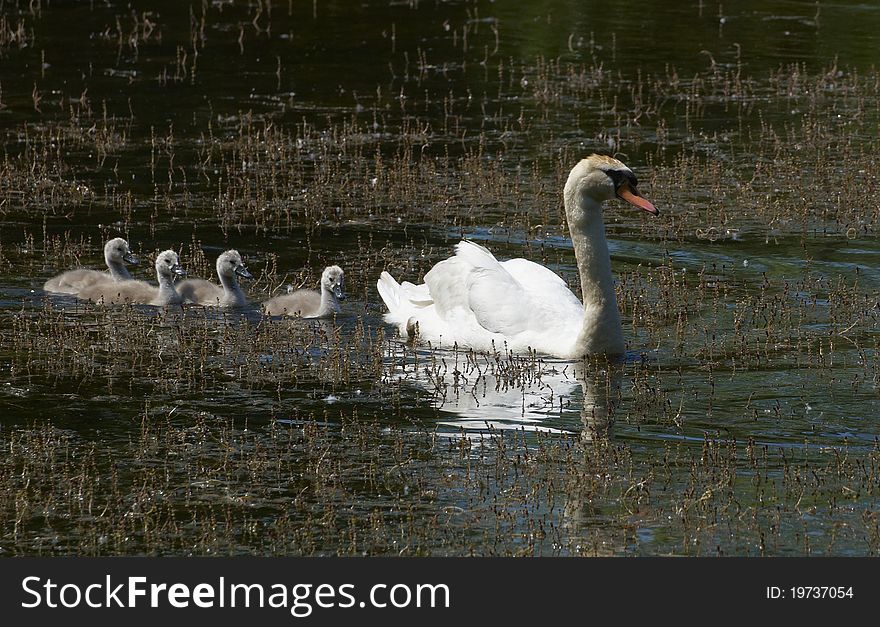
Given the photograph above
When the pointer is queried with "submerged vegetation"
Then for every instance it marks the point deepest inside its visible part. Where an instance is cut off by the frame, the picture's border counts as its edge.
(740, 423)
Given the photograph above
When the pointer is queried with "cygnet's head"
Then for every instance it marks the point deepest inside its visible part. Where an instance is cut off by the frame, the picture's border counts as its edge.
(229, 264)
(333, 279)
(116, 251)
(168, 265)
(602, 178)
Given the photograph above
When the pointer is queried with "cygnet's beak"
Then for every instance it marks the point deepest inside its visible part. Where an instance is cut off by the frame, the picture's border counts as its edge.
(631, 195)
(177, 270)
(129, 258)
(338, 293)
(243, 272)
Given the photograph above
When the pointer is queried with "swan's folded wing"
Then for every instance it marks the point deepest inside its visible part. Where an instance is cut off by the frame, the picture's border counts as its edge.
(449, 281)
(542, 284)
(72, 281)
(519, 295)
(418, 295)
(473, 284)
(476, 255)
(497, 301)
(200, 291)
(447, 285)
(494, 297)
(117, 292)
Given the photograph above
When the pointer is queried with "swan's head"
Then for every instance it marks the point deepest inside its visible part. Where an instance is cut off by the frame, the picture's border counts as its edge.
(116, 251)
(333, 279)
(602, 178)
(229, 264)
(168, 265)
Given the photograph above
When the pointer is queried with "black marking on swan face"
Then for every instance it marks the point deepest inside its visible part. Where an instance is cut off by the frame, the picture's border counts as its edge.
(619, 177)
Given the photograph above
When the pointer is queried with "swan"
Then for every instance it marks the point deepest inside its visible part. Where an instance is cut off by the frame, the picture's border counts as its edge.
(473, 300)
(139, 292)
(309, 303)
(228, 293)
(116, 255)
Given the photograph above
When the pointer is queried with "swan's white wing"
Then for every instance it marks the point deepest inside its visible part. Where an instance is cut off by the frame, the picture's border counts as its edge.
(418, 295)
(473, 285)
(498, 301)
(542, 284)
(447, 285)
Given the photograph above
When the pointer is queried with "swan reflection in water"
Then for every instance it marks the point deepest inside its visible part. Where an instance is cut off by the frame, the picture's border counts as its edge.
(573, 399)
(482, 392)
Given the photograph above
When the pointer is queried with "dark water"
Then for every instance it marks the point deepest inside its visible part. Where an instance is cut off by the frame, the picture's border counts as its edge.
(375, 135)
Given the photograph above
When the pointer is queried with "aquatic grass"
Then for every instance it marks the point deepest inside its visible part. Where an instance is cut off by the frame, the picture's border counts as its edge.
(194, 483)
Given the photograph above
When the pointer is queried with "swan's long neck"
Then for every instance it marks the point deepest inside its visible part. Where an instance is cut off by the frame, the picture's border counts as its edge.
(166, 282)
(600, 330)
(329, 304)
(230, 286)
(117, 269)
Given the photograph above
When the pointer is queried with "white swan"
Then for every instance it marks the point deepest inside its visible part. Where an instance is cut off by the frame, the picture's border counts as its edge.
(228, 293)
(116, 255)
(309, 303)
(116, 292)
(473, 300)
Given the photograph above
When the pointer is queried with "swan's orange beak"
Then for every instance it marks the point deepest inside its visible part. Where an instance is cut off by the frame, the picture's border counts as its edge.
(631, 195)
